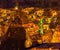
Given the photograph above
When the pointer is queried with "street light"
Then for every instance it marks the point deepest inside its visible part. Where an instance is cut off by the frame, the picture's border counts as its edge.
(17, 4)
(16, 7)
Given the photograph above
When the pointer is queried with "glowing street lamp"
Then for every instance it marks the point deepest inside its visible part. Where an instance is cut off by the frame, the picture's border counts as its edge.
(16, 8)
(17, 4)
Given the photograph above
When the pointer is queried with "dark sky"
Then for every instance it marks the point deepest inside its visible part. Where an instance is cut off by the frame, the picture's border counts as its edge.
(11, 3)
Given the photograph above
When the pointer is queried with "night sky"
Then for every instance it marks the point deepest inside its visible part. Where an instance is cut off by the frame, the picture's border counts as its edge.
(25, 3)
(11, 3)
